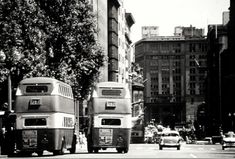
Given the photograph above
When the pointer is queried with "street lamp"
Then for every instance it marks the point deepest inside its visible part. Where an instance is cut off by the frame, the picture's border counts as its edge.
(231, 115)
(2, 61)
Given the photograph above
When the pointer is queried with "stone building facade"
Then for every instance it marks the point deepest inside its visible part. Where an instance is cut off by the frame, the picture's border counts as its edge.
(175, 67)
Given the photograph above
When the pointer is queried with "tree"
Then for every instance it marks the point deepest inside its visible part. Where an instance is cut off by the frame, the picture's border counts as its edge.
(50, 38)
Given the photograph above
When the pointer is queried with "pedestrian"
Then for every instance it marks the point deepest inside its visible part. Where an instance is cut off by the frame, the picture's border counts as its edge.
(8, 121)
(80, 139)
(1, 133)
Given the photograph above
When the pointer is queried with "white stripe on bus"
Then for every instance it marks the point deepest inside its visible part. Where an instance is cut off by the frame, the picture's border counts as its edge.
(54, 120)
(125, 120)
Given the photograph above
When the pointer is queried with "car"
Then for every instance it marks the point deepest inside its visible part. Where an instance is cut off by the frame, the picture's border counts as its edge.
(228, 140)
(170, 138)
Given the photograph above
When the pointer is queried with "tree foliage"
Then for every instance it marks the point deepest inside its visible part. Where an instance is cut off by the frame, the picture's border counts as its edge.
(50, 38)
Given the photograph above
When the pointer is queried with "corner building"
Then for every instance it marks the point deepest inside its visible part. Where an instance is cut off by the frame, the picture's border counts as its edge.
(175, 69)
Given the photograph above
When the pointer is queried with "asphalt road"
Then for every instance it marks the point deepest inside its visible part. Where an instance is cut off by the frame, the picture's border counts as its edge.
(151, 151)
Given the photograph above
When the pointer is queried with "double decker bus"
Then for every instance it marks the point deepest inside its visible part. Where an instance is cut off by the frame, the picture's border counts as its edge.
(138, 127)
(46, 116)
(109, 114)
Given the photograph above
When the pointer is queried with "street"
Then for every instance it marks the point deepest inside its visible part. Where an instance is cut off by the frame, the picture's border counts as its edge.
(152, 151)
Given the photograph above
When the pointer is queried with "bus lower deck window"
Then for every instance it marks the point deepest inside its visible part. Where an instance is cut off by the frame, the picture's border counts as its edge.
(35, 122)
(111, 122)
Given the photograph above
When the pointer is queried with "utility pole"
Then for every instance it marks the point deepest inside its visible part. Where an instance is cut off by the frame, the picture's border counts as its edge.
(9, 93)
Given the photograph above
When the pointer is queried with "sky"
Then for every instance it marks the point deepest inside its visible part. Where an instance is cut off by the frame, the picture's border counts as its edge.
(167, 14)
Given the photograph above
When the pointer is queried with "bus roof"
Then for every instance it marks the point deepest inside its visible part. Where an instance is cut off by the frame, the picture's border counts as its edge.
(41, 80)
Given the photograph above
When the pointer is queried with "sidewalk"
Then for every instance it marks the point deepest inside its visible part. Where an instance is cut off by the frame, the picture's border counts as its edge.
(81, 146)
(203, 142)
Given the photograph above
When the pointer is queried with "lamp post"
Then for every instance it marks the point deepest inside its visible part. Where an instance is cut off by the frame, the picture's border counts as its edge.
(2, 61)
(231, 116)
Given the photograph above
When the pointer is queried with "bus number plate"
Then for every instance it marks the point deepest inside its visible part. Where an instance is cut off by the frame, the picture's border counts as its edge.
(110, 104)
(35, 102)
(29, 138)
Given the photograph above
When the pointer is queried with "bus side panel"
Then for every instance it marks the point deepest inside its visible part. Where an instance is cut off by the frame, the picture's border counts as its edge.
(43, 139)
(108, 137)
(47, 104)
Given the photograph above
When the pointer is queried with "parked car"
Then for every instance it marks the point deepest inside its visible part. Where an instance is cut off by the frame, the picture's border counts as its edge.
(217, 139)
(228, 140)
(170, 138)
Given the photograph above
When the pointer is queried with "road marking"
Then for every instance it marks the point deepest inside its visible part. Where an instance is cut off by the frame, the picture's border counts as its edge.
(193, 156)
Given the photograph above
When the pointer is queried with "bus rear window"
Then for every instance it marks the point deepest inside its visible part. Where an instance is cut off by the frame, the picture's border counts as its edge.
(36, 89)
(110, 122)
(112, 92)
(35, 122)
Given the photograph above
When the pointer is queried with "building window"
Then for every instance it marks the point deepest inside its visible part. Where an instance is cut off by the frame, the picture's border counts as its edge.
(192, 85)
(192, 100)
(192, 57)
(177, 70)
(192, 92)
(176, 78)
(177, 63)
(192, 63)
(164, 86)
(192, 70)
(192, 78)
(192, 48)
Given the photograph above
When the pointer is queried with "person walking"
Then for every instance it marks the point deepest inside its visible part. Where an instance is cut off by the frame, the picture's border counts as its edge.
(8, 121)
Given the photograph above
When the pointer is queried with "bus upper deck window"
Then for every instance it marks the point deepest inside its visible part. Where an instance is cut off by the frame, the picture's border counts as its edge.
(36, 89)
(112, 92)
(111, 122)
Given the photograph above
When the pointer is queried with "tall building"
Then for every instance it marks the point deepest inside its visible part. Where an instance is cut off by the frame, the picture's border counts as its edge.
(217, 60)
(230, 87)
(125, 59)
(221, 74)
(174, 67)
(114, 26)
(100, 9)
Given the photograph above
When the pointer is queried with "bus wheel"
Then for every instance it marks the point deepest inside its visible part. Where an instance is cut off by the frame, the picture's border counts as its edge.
(90, 149)
(40, 153)
(125, 150)
(119, 150)
(73, 148)
(96, 150)
(61, 151)
(25, 153)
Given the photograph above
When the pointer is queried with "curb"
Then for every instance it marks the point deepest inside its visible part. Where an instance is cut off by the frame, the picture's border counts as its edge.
(200, 143)
(3, 156)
